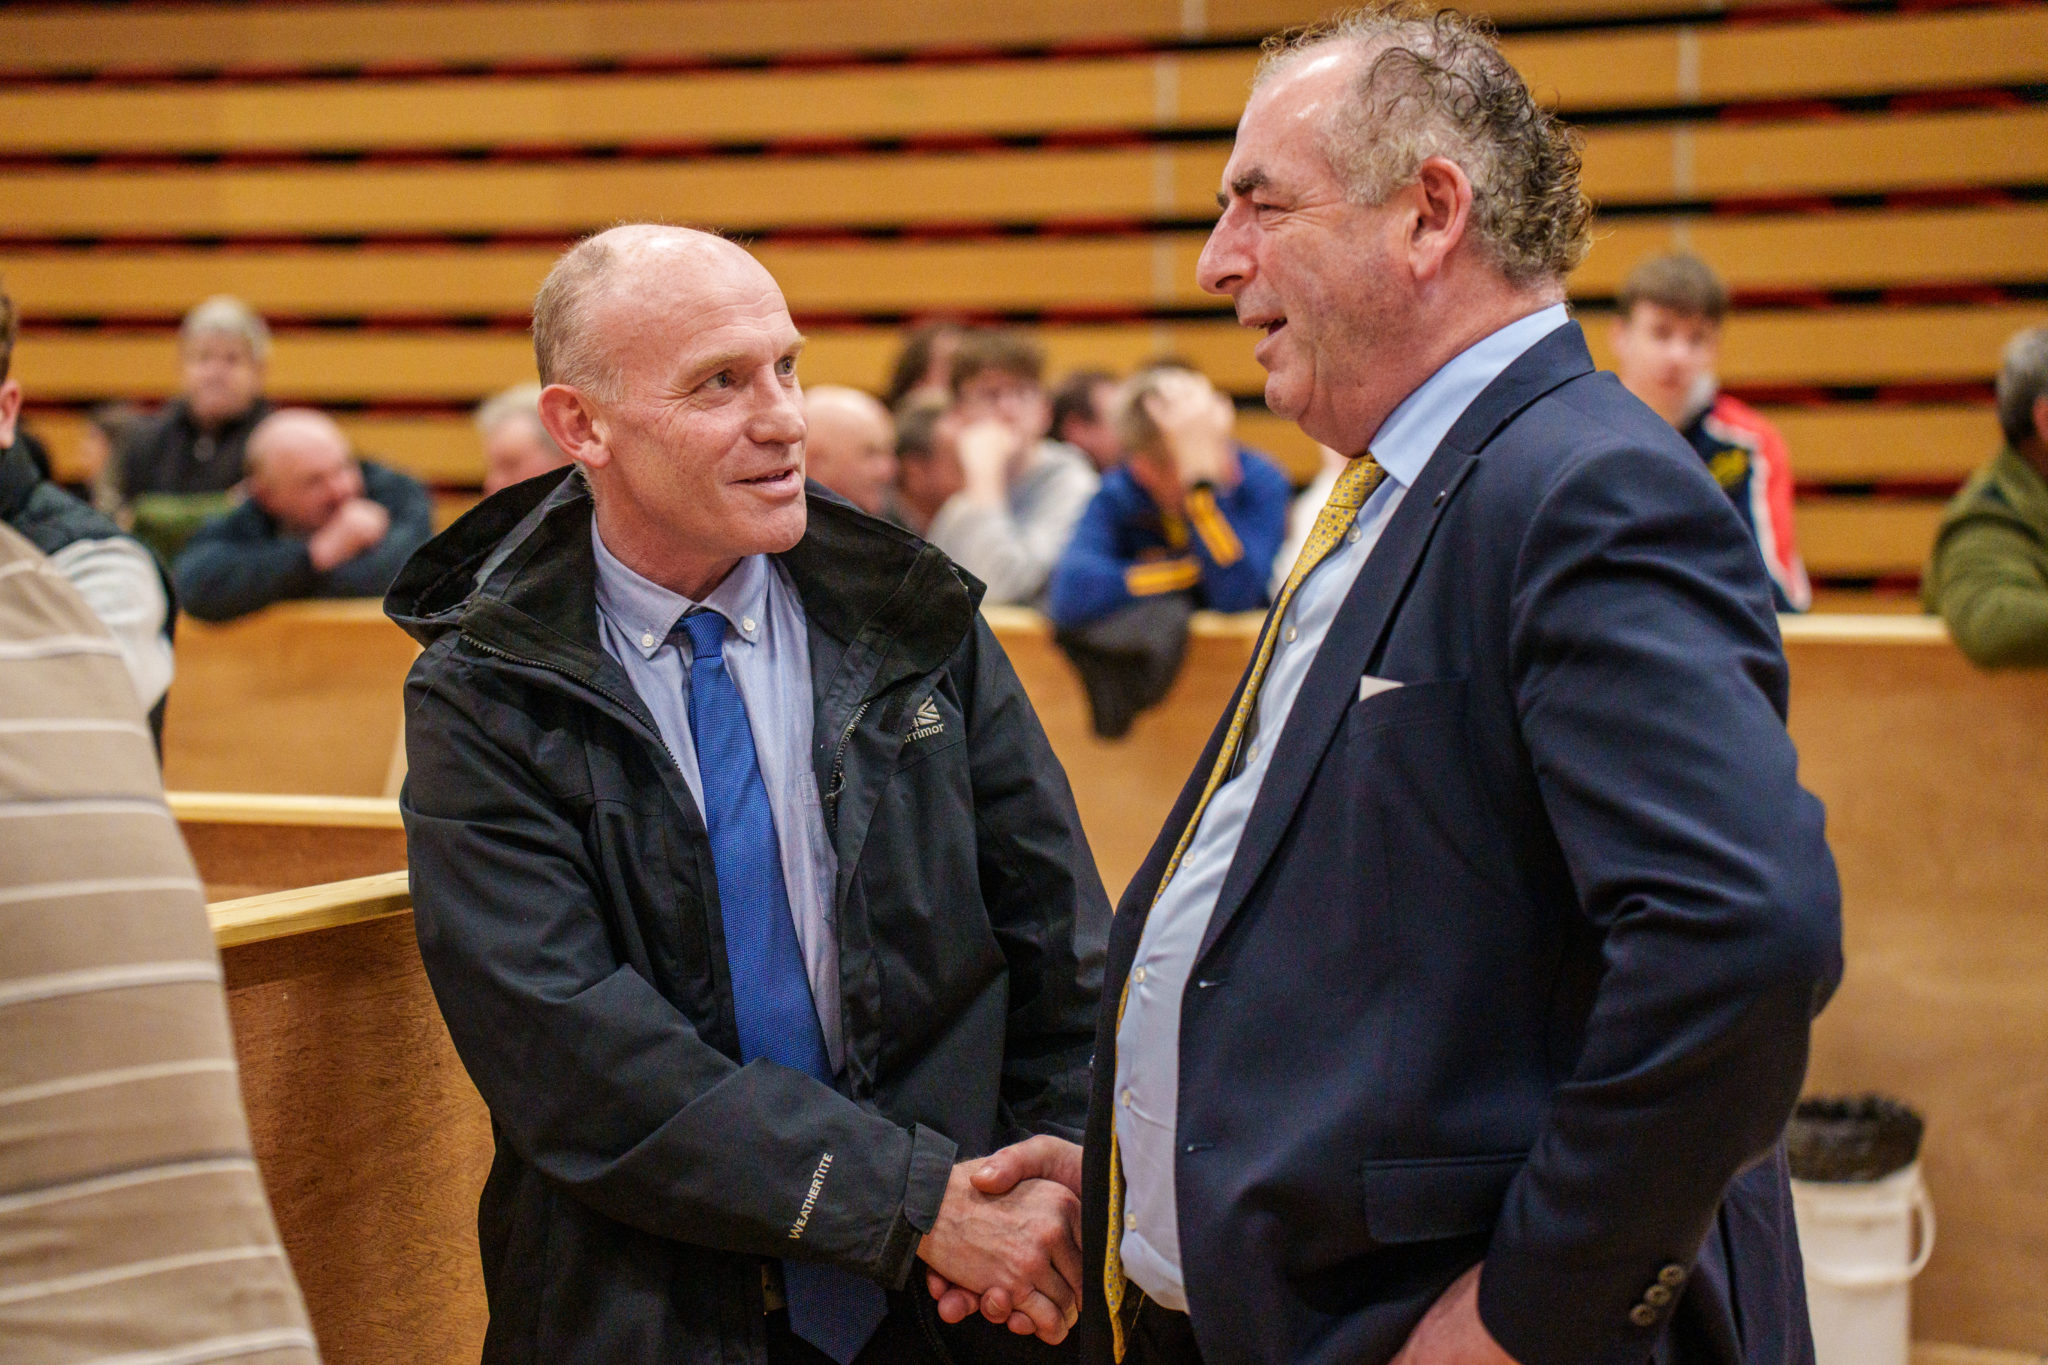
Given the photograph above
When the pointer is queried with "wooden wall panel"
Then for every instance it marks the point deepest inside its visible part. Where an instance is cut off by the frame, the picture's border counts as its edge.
(372, 1141)
(303, 698)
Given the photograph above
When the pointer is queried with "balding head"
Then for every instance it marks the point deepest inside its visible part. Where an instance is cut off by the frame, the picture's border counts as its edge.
(669, 364)
(851, 448)
(569, 345)
(300, 470)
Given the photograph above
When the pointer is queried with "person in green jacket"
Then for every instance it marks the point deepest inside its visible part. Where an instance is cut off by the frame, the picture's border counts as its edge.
(1989, 575)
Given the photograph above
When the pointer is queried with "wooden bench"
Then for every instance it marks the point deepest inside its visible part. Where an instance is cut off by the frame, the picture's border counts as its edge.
(249, 844)
(372, 1141)
(303, 698)
(1141, 91)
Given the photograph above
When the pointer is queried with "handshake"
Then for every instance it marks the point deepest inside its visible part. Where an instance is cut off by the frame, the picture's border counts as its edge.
(1007, 1240)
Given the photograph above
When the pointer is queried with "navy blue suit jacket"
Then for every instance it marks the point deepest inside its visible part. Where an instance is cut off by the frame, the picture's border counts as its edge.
(1517, 961)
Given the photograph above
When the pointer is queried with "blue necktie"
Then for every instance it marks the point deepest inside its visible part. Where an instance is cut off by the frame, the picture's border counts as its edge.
(832, 1309)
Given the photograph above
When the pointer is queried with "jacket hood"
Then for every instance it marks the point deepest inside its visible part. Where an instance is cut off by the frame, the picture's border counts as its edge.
(516, 573)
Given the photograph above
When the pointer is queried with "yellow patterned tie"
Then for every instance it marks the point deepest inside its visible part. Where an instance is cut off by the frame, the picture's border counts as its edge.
(1354, 486)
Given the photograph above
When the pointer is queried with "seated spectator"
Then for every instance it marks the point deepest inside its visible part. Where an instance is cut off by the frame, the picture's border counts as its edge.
(1989, 574)
(924, 367)
(1082, 408)
(1667, 341)
(516, 446)
(850, 447)
(927, 462)
(178, 466)
(316, 523)
(120, 580)
(133, 1222)
(1020, 492)
(1191, 521)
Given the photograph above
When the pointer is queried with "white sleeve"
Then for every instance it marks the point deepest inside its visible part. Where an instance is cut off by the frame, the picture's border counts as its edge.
(119, 581)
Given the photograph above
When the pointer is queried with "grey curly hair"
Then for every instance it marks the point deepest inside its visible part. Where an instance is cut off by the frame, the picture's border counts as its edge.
(1437, 85)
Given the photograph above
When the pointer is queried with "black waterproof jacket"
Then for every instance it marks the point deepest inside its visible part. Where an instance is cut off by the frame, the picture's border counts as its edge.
(568, 917)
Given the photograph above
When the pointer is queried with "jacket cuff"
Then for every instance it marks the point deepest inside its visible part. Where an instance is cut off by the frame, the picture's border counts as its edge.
(1541, 1317)
(924, 1189)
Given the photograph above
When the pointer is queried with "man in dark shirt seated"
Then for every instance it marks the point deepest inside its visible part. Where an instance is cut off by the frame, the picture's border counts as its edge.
(317, 523)
(1190, 521)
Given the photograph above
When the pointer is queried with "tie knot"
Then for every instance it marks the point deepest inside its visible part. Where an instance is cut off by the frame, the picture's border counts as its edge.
(1356, 483)
(706, 630)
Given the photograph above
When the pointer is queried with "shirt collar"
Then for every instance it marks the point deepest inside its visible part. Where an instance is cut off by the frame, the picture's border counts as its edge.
(645, 612)
(1414, 430)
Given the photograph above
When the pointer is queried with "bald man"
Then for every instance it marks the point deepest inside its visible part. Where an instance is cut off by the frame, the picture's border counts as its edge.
(315, 522)
(754, 899)
(851, 446)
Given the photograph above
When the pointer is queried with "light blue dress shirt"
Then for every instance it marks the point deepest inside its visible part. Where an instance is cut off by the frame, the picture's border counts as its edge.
(1148, 1039)
(768, 654)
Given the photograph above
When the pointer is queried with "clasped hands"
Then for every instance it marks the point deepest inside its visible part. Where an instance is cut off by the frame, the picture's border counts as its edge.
(1007, 1244)
(1007, 1240)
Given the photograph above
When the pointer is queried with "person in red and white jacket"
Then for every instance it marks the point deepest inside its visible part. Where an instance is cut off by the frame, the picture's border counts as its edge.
(1667, 341)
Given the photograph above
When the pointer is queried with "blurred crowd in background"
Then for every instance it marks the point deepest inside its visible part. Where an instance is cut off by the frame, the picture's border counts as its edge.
(1119, 505)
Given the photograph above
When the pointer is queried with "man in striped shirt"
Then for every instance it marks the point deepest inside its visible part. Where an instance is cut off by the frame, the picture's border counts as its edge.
(133, 1223)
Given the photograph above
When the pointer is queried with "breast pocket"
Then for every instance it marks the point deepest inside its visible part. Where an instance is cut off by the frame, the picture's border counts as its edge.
(1410, 763)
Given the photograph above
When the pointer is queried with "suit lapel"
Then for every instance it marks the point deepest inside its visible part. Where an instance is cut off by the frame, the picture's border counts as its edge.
(1369, 610)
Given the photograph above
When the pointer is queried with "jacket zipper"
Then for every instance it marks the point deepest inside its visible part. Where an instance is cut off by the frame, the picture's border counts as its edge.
(837, 781)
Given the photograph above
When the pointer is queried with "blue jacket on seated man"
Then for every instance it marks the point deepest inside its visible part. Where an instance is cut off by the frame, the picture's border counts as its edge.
(316, 523)
(1190, 510)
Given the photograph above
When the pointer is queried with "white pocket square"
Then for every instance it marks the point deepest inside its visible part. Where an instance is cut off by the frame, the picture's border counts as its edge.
(1369, 686)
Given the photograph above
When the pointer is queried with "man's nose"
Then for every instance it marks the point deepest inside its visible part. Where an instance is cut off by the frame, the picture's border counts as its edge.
(1225, 264)
(781, 417)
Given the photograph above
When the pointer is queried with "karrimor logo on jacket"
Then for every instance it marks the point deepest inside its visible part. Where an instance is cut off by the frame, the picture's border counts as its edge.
(927, 722)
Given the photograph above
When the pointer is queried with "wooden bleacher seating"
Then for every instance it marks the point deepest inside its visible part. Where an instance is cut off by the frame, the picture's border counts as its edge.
(374, 1145)
(1707, 133)
(1648, 68)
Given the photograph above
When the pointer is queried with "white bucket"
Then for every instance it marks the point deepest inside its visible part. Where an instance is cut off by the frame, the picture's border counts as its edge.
(1859, 1240)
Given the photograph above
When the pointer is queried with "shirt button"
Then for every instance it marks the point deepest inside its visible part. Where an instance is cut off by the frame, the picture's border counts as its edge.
(1351, 536)
(1290, 635)
(1138, 976)
(1127, 1099)
(647, 640)
(1251, 753)
(747, 624)
(1130, 1222)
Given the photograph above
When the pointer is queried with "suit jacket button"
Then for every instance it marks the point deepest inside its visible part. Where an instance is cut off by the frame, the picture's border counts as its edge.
(1642, 1315)
(1671, 1276)
(1656, 1296)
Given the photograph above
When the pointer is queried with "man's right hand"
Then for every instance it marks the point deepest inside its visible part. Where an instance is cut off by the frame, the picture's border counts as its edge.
(355, 526)
(1037, 1158)
(1025, 1243)
(989, 449)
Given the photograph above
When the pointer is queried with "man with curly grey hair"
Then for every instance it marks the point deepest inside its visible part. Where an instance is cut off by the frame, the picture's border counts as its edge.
(1457, 1012)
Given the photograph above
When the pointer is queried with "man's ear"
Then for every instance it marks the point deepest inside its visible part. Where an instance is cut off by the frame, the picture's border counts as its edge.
(575, 425)
(1442, 204)
(10, 411)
